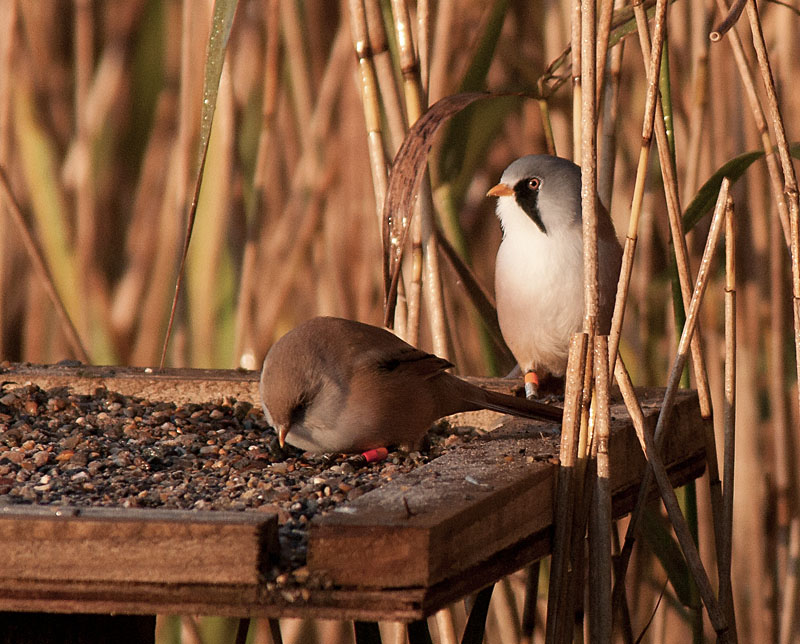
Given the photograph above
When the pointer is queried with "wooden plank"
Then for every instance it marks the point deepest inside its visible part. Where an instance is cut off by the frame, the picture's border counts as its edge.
(180, 386)
(422, 541)
(117, 545)
(488, 493)
(253, 600)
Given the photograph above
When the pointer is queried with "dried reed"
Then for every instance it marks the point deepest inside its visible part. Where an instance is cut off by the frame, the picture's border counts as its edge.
(100, 108)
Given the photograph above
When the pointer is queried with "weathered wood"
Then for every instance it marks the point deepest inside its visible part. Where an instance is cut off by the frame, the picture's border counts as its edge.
(350, 603)
(47, 543)
(458, 510)
(179, 386)
(170, 385)
(419, 542)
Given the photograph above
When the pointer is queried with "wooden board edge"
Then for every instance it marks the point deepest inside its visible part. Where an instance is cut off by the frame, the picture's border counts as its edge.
(118, 545)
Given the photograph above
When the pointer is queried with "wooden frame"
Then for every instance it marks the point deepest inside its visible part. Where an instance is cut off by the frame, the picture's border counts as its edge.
(398, 553)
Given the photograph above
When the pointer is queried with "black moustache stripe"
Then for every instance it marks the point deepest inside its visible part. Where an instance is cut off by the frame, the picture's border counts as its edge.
(528, 200)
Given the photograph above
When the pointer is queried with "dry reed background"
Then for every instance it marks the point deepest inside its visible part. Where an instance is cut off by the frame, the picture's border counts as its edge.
(99, 118)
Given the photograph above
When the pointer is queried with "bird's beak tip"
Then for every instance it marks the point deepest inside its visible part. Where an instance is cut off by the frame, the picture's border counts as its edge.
(282, 431)
(500, 190)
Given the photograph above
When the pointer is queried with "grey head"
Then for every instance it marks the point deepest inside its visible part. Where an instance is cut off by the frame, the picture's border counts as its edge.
(547, 188)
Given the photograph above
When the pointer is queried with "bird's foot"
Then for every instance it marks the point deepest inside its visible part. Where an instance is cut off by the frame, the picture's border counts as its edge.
(531, 385)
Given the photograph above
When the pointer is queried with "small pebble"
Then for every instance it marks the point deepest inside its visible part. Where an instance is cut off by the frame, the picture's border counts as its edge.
(57, 447)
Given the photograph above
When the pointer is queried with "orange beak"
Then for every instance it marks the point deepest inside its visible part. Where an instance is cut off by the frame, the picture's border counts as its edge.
(282, 431)
(500, 190)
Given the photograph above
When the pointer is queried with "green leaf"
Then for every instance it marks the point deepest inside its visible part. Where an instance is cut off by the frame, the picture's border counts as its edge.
(221, 25)
(706, 197)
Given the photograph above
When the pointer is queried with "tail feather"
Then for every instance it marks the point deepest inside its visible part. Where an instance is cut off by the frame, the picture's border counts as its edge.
(520, 406)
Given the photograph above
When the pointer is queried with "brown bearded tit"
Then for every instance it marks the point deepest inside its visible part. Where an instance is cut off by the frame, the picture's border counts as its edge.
(539, 269)
(335, 385)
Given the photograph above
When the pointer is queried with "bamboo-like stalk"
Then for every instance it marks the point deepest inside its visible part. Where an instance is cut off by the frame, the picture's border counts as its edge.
(244, 332)
(657, 470)
(609, 125)
(589, 167)
(8, 15)
(271, 85)
(727, 23)
(629, 250)
(531, 600)
(440, 55)
(424, 43)
(445, 624)
(370, 101)
(299, 66)
(413, 93)
(415, 106)
(600, 563)
(789, 177)
(787, 626)
(84, 184)
(787, 521)
(558, 617)
(503, 611)
(414, 284)
(684, 276)
(653, 448)
(603, 33)
(775, 175)
(41, 269)
(729, 420)
(588, 157)
(387, 83)
(791, 192)
(576, 52)
(697, 119)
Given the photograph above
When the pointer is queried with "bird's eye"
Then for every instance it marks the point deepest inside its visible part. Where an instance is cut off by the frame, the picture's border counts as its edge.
(534, 183)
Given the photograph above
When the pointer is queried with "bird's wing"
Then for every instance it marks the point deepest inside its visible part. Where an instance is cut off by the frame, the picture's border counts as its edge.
(389, 353)
(413, 362)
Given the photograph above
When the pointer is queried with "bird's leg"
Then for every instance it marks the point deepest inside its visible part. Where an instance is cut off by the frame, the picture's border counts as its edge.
(375, 455)
(531, 385)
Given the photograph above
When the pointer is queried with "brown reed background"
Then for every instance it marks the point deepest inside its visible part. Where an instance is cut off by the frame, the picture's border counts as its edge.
(99, 120)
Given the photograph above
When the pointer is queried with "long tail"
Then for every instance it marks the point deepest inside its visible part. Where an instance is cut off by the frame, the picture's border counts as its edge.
(513, 405)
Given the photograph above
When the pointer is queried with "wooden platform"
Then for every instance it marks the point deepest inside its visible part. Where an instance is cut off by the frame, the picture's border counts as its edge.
(399, 552)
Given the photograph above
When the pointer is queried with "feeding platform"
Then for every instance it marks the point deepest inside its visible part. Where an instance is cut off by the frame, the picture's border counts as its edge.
(420, 538)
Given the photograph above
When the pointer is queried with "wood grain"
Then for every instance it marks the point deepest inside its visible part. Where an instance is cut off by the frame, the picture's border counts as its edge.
(460, 509)
(135, 545)
(180, 386)
(399, 552)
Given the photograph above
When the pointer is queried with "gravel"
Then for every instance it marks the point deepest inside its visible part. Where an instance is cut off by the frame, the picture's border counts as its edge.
(62, 448)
